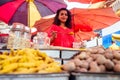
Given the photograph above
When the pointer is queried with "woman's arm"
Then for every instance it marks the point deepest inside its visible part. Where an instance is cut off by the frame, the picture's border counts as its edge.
(53, 36)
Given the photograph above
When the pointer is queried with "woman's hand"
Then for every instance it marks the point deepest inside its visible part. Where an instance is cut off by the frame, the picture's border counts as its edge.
(53, 36)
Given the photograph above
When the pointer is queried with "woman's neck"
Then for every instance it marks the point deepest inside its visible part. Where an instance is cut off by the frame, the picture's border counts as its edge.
(63, 25)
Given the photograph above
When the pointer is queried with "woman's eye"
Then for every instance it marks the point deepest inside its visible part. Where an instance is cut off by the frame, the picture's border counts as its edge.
(66, 15)
(63, 14)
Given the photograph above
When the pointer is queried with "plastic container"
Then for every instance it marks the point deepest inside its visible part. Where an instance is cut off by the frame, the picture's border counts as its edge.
(77, 44)
(41, 40)
(19, 37)
(26, 37)
(15, 35)
(3, 40)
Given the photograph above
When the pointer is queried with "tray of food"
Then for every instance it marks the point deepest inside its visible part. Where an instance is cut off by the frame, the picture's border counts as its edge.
(96, 63)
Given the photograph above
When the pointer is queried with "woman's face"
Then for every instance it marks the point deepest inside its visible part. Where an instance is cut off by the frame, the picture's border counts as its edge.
(63, 16)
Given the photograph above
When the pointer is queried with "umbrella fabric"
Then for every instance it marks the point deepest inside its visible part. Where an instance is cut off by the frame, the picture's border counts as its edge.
(84, 28)
(81, 32)
(4, 1)
(28, 11)
(44, 23)
(81, 36)
(93, 18)
(85, 21)
(86, 1)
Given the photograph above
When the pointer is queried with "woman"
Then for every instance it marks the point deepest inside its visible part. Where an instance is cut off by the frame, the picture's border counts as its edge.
(60, 32)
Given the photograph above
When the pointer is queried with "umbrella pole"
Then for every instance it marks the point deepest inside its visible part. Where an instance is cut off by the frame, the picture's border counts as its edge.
(28, 21)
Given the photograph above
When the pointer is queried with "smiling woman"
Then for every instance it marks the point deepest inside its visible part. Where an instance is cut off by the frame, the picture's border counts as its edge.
(60, 32)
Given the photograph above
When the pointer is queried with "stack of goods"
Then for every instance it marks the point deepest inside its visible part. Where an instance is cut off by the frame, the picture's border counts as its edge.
(3, 40)
(19, 37)
(27, 61)
(4, 31)
(94, 59)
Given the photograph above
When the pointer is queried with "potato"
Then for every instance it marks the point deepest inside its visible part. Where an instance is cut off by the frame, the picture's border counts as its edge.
(100, 59)
(117, 68)
(83, 70)
(88, 53)
(90, 59)
(77, 68)
(108, 50)
(109, 64)
(77, 62)
(100, 51)
(69, 66)
(83, 55)
(102, 68)
(94, 56)
(108, 55)
(92, 50)
(116, 54)
(84, 64)
(93, 63)
(116, 61)
(94, 67)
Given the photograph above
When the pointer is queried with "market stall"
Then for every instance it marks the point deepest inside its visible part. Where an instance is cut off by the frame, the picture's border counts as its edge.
(23, 59)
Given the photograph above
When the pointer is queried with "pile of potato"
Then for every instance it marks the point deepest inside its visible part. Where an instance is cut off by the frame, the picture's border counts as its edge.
(94, 59)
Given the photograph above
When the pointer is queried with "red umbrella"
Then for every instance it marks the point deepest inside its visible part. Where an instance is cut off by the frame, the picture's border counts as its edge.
(27, 11)
(93, 18)
(81, 32)
(85, 21)
(81, 36)
(86, 1)
(44, 23)
(84, 28)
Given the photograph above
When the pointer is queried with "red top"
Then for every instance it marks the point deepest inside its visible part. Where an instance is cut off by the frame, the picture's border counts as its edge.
(65, 37)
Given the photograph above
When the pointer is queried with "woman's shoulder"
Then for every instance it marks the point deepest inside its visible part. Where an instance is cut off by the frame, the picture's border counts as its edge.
(53, 25)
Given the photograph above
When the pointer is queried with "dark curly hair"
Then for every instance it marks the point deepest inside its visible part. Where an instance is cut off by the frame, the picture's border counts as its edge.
(67, 23)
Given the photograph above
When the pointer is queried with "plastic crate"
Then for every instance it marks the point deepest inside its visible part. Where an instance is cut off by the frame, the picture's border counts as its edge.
(52, 53)
(58, 60)
(65, 61)
(96, 76)
(49, 76)
(67, 54)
